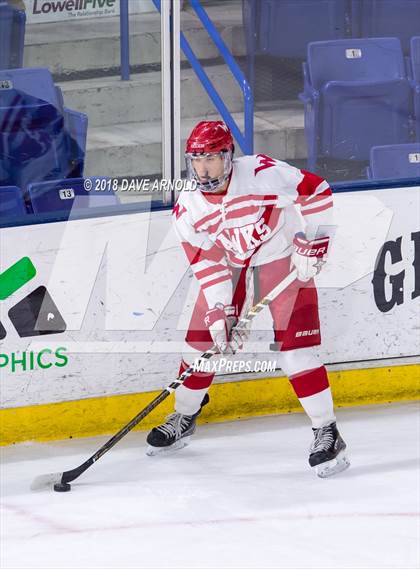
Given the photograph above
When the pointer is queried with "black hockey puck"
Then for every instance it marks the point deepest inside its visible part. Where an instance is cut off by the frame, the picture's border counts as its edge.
(62, 487)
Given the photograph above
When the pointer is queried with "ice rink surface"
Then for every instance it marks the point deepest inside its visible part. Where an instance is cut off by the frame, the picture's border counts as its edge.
(240, 496)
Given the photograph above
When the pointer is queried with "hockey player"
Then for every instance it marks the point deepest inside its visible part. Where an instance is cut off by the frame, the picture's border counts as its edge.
(244, 215)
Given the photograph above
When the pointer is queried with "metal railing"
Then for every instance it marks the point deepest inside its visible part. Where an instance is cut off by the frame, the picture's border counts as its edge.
(124, 40)
(245, 139)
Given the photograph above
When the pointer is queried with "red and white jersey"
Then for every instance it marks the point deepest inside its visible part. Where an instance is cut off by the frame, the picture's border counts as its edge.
(252, 223)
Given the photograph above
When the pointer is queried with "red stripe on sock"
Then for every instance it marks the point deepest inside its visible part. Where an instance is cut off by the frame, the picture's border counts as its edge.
(310, 382)
(198, 380)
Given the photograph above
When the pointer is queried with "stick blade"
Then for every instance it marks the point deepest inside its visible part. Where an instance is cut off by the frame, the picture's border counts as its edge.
(45, 481)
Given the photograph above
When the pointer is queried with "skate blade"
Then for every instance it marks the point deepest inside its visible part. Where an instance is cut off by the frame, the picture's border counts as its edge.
(178, 445)
(332, 467)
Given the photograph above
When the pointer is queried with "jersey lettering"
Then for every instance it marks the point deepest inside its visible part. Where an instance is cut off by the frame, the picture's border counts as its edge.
(178, 210)
(245, 238)
(265, 162)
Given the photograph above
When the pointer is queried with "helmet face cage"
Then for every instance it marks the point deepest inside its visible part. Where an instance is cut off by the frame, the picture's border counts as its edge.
(214, 184)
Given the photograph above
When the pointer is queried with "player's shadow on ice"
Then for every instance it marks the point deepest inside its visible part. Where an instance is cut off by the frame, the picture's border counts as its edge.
(358, 470)
(381, 467)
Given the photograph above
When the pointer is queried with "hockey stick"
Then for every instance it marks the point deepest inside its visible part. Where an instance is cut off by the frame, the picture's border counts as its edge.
(63, 478)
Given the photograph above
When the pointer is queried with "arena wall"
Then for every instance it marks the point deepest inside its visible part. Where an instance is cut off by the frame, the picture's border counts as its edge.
(122, 286)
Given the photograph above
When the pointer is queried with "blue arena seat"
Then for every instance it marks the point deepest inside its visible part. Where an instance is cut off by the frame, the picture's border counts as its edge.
(76, 125)
(32, 138)
(11, 202)
(356, 96)
(37, 81)
(381, 18)
(34, 143)
(285, 28)
(39, 138)
(6, 31)
(65, 195)
(12, 36)
(415, 74)
(395, 161)
(415, 58)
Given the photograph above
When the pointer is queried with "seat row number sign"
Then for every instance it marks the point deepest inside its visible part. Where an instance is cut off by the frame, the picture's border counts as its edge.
(67, 194)
(353, 53)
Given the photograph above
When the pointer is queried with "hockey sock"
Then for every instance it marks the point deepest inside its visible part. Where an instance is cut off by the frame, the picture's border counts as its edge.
(190, 394)
(314, 394)
(309, 380)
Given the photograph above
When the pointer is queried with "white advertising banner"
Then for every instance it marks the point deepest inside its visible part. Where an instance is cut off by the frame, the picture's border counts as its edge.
(100, 306)
(43, 11)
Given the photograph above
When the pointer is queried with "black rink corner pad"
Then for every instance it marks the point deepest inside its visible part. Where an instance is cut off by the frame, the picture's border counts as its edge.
(37, 315)
(2, 331)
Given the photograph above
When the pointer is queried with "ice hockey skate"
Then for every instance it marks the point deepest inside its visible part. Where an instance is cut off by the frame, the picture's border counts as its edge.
(175, 433)
(327, 451)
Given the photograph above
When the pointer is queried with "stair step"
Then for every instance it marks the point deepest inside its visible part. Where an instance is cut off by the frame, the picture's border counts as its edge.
(135, 149)
(79, 46)
(109, 101)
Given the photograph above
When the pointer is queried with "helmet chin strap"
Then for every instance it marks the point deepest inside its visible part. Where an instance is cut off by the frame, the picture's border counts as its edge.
(212, 184)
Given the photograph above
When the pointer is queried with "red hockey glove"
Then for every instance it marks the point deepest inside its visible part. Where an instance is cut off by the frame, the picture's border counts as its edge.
(309, 256)
(220, 320)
